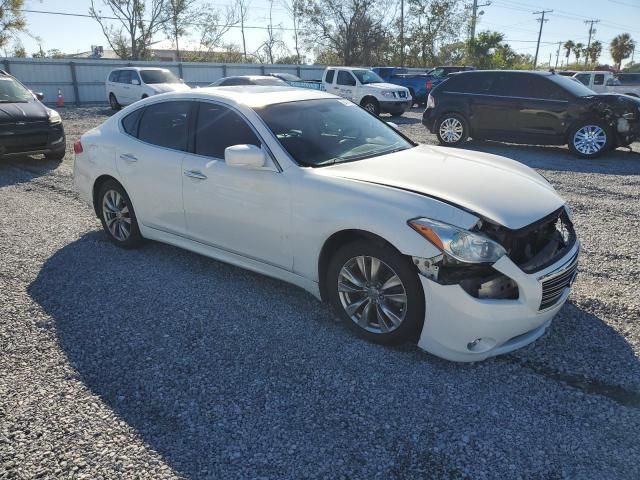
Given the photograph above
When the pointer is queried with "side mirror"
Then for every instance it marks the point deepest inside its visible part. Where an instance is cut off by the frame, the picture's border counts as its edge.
(248, 156)
(135, 81)
(393, 125)
(38, 95)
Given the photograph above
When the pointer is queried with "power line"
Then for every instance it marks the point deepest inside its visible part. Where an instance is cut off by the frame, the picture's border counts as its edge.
(541, 20)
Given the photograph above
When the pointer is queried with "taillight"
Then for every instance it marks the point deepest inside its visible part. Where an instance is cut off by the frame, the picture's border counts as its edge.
(77, 147)
(429, 84)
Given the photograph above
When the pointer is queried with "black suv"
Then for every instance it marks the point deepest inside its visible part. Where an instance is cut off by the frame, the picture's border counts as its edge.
(537, 108)
(26, 126)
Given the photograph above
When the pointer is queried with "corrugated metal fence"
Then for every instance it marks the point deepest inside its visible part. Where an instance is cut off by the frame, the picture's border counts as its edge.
(82, 81)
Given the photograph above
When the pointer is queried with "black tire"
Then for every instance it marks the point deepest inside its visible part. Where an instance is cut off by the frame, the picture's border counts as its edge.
(447, 130)
(397, 114)
(602, 140)
(371, 105)
(56, 155)
(413, 96)
(392, 262)
(145, 96)
(134, 238)
(113, 102)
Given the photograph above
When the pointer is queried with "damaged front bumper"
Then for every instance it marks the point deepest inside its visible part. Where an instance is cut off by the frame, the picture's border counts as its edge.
(464, 328)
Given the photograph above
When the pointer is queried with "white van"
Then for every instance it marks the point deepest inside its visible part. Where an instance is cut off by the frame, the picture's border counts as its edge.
(367, 89)
(130, 84)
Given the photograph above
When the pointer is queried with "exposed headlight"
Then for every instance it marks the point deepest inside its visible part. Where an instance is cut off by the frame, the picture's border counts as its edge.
(54, 117)
(388, 94)
(458, 243)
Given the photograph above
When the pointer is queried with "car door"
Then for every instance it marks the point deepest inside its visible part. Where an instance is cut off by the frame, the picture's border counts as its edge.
(125, 96)
(346, 85)
(241, 210)
(489, 105)
(149, 159)
(136, 89)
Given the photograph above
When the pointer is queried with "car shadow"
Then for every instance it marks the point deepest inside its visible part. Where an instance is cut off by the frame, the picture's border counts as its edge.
(618, 162)
(227, 373)
(22, 169)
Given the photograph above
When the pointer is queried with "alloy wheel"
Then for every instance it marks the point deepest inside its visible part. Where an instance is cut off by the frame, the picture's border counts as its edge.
(451, 130)
(589, 139)
(370, 107)
(117, 215)
(372, 294)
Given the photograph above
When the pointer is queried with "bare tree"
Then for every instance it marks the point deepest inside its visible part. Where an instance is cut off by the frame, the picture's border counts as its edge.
(11, 20)
(179, 14)
(293, 8)
(140, 21)
(214, 25)
(242, 9)
(274, 42)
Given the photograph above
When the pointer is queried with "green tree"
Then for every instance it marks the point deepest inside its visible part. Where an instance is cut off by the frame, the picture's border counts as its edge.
(578, 49)
(621, 47)
(568, 48)
(180, 14)
(12, 20)
(595, 50)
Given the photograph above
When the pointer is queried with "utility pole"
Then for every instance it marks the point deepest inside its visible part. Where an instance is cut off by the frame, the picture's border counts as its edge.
(402, 33)
(591, 32)
(558, 53)
(474, 17)
(541, 20)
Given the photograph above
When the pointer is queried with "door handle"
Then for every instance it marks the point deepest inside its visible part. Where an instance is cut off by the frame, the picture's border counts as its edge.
(127, 157)
(195, 174)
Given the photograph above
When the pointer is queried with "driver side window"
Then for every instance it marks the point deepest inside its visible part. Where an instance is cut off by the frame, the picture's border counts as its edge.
(345, 78)
(219, 127)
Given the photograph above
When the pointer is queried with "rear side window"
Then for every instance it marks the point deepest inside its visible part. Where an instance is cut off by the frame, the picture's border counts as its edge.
(598, 79)
(219, 127)
(477, 83)
(329, 77)
(131, 121)
(113, 77)
(166, 125)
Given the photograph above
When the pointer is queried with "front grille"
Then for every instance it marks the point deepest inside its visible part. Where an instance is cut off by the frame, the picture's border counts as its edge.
(24, 136)
(402, 94)
(555, 283)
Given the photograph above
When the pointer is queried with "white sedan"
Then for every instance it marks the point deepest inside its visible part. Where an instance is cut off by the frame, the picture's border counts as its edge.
(470, 254)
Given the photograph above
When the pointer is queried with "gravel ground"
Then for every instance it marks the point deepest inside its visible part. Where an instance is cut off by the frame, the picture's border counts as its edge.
(159, 363)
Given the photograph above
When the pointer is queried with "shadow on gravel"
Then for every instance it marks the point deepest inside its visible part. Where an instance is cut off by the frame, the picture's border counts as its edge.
(617, 162)
(15, 170)
(229, 374)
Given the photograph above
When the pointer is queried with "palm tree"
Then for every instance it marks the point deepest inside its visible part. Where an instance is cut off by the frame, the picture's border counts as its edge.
(577, 50)
(621, 47)
(568, 46)
(595, 50)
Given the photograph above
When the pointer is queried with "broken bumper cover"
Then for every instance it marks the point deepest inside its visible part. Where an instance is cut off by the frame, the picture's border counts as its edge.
(463, 328)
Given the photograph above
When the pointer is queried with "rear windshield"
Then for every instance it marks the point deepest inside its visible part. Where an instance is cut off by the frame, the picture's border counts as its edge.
(12, 92)
(158, 76)
(268, 82)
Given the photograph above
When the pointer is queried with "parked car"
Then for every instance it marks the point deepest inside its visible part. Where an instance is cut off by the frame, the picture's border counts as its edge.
(296, 81)
(533, 108)
(416, 83)
(27, 127)
(286, 77)
(437, 75)
(601, 82)
(130, 84)
(471, 253)
(367, 89)
(249, 80)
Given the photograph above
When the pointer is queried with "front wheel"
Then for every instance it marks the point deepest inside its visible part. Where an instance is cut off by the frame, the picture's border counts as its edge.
(117, 216)
(376, 290)
(371, 105)
(452, 130)
(113, 102)
(589, 139)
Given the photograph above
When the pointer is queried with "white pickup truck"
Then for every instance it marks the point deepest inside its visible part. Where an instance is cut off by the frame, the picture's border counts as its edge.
(367, 89)
(606, 82)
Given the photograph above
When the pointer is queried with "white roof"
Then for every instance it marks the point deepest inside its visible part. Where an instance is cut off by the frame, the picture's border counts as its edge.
(351, 68)
(257, 96)
(141, 68)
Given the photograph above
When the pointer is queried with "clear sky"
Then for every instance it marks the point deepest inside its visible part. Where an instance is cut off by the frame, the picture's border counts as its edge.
(515, 18)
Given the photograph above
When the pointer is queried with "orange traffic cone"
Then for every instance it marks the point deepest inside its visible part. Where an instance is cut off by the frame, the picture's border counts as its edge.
(60, 102)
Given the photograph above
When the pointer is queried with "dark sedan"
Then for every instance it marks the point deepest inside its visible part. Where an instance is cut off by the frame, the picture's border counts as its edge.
(538, 108)
(27, 126)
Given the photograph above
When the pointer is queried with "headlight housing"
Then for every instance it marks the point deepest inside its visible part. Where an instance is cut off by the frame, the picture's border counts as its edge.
(388, 94)
(54, 117)
(458, 243)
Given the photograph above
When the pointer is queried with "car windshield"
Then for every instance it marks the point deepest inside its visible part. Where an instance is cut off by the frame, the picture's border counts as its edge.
(271, 82)
(367, 76)
(572, 85)
(12, 92)
(437, 72)
(327, 131)
(158, 76)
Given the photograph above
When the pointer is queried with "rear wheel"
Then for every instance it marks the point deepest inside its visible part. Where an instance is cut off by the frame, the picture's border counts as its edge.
(117, 216)
(452, 130)
(114, 102)
(371, 105)
(376, 290)
(589, 139)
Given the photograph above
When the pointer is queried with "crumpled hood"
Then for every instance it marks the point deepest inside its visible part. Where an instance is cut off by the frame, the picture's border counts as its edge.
(22, 112)
(496, 188)
(170, 87)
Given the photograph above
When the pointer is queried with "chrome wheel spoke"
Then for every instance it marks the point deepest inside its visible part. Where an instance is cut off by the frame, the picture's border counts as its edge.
(382, 322)
(589, 139)
(392, 282)
(346, 288)
(396, 297)
(362, 266)
(390, 314)
(365, 317)
(355, 306)
(350, 276)
(116, 215)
